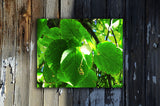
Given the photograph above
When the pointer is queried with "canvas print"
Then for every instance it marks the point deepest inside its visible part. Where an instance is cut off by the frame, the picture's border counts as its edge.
(79, 53)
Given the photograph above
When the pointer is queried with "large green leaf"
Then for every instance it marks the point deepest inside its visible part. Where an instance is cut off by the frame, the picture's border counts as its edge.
(109, 58)
(53, 33)
(89, 81)
(70, 29)
(74, 31)
(54, 52)
(49, 75)
(74, 66)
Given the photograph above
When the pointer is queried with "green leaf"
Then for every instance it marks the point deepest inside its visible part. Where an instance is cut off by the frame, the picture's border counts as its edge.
(49, 75)
(53, 33)
(74, 31)
(73, 66)
(89, 81)
(54, 52)
(70, 29)
(108, 58)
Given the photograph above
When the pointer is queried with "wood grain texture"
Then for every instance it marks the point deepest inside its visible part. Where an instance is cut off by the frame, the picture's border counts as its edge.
(36, 97)
(18, 52)
(152, 53)
(135, 26)
(67, 8)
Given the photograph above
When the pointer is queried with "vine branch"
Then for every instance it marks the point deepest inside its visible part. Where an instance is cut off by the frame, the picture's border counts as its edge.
(114, 37)
(89, 29)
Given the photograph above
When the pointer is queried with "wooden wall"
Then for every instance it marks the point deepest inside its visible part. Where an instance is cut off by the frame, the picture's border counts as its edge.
(18, 52)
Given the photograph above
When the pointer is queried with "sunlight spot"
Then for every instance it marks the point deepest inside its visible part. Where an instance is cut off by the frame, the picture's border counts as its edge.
(106, 25)
(69, 83)
(40, 76)
(85, 49)
(64, 55)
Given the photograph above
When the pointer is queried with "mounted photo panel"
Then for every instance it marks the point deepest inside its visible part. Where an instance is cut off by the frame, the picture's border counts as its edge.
(79, 53)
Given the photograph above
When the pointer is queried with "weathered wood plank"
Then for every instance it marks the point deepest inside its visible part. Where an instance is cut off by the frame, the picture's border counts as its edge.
(135, 74)
(97, 97)
(152, 53)
(36, 96)
(1, 8)
(81, 97)
(8, 26)
(23, 15)
(82, 9)
(98, 9)
(50, 97)
(113, 97)
(115, 8)
(51, 11)
(1, 37)
(67, 8)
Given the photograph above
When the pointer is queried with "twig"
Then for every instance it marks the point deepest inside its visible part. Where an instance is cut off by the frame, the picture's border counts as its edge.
(89, 29)
(114, 37)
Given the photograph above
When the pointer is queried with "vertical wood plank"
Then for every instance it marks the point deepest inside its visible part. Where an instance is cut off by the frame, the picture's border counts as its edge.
(97, 97)
(0, 25)
(98, 9)
(50, 97)
(51, 11)
(36, 96)
(22, 52)
(67, 8)
(9, 27)
(81, 97)
(135, 22)
(152, 53)
(0, 37)
(82, 9)
(113, 97)
(115, 8)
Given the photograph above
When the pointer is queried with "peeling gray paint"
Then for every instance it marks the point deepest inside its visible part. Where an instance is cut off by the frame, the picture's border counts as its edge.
(135, 65)
(12, 64)
(154, 79)
(116, 98)
(148, 77)
(155, 45)
(126, 62)
(148, 32)
(134, 77)
(96, 97)
(31, 50)
(59, 91)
